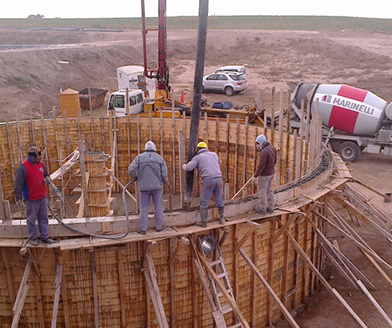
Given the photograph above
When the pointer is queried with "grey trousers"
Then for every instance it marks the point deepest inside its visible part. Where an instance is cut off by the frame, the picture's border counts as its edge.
(265, 187)
(37, 209)
(156, 196)
(209, 187)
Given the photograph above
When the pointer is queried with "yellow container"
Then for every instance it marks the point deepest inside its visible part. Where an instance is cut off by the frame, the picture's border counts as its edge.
(69, 103)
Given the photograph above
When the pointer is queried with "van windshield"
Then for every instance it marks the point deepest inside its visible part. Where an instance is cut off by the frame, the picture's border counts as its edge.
(117, 101)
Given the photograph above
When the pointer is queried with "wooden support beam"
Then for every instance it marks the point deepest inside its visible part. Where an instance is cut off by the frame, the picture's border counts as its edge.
(357, 243)
(244, 238)
(57, 282)
(270, 290)
(18, 305)
(225, 293)
(271, 255)
(38, 293)
(289, 221)
(120, 184)
(333, 291)
(64, 295)
(152, 283)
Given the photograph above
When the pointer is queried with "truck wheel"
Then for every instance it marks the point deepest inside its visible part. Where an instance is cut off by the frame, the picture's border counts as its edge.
(349, 151)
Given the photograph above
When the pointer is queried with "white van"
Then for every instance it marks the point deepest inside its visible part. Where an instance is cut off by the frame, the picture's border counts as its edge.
(232, 68)
(118, 102)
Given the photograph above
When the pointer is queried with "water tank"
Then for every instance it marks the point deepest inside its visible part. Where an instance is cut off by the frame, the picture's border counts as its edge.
(346, 108)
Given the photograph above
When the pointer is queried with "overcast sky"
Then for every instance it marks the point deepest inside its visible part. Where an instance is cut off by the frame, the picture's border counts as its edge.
(131, 8)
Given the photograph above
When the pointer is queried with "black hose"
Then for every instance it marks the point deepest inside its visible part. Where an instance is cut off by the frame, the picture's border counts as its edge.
(93, 234)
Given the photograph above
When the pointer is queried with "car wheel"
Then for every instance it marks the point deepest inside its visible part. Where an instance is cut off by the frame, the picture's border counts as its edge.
(229, 91)
(349, 151)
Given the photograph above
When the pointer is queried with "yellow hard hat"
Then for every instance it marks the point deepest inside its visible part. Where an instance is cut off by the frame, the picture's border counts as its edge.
(201, 144)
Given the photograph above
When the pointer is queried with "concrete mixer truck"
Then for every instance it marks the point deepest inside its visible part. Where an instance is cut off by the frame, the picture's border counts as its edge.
(359, 118)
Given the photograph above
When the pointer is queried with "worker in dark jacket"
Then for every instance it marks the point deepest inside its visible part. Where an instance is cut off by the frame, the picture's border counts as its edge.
(150, 171)
(264, 175)
(208, 166)
(30, 187)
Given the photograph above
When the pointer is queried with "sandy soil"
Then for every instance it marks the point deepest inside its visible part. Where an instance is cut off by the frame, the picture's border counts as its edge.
(31, 79)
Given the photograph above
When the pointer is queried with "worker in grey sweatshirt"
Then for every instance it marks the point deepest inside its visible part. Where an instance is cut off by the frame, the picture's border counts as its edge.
(150, 171)
(208, 166)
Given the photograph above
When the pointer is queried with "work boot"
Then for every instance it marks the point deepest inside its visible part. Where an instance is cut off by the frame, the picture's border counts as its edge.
(203, 216)
(258, 210)
(33, 242)
(48, 241)
(221, 212)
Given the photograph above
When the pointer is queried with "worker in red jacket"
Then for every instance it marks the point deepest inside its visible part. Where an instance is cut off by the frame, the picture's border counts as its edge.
(30, 186)
(264, 175)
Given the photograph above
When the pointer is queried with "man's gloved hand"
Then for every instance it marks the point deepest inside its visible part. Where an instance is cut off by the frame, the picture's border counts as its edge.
(20, 203)
(47, 180)
(183, 167)
(254, 180)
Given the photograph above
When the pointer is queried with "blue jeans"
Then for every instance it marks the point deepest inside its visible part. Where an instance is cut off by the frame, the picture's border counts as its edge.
(209, 187)
(156, 196)
(37, 209)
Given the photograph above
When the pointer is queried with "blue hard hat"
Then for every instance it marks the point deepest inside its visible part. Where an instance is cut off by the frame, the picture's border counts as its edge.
(261, 139)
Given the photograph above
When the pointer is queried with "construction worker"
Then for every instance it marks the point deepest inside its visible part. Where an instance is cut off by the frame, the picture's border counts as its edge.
(150, 171)
(208, 166)
(30, 187)
(264, 175)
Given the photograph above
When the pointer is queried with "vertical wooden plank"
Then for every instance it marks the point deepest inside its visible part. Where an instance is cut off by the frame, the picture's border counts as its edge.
(59, 275)
(9, 274)
(150, 124)
(103, 135)
(95, 288)
(2, 209)
(38, 296)
(173, 245)
(244, 178)
(11, 151)
(271, 255)
(195, 315)
(31, 129)
(296, 263)
(285, 267)
(205, 132)
(20, 152)
(307, 139)
(314, 256)
(227, 146)
(304, 267)
(173, 150)
(84, 179)
(120, 268)
(279, 167)
(181, 158)
(46, 143)
(161, 131)
(273, 117)
(254, 281)
(91, 118)
(237, 134)
(64, 295)
(217, 135)
(235, 262)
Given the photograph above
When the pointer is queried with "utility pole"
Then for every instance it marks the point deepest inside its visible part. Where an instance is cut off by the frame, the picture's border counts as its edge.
(197, 91)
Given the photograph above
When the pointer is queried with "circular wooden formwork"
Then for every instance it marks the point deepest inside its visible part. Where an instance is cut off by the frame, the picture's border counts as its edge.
(163, 279)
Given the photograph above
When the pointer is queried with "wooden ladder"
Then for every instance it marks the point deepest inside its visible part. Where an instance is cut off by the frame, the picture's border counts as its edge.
(220, 269)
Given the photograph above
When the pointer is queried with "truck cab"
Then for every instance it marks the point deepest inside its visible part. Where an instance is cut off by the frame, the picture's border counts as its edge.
(119, 104)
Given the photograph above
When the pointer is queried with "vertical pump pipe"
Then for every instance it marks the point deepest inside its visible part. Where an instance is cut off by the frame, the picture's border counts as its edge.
(197, 91)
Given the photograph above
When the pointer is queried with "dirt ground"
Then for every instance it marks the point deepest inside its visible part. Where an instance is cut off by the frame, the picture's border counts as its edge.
(31, 79)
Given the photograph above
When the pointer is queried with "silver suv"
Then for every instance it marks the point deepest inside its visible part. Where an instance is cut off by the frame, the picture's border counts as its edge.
(227, 82)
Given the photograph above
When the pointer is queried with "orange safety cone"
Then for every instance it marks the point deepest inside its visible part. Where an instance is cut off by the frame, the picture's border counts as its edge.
(182, 96)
